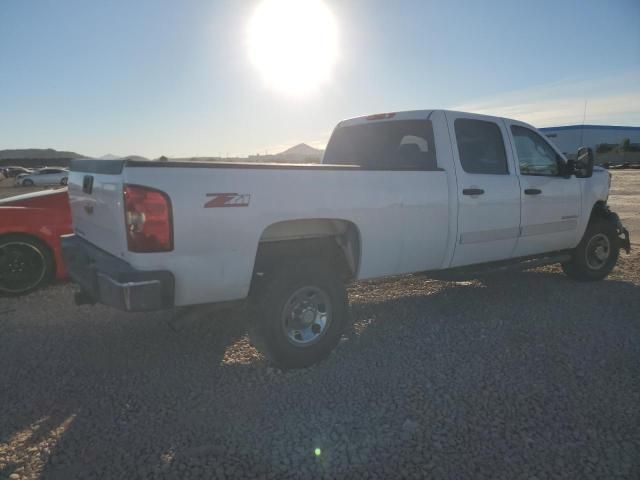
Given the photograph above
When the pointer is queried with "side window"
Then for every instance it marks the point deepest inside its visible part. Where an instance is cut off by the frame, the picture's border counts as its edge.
(481, 147)
(535, 155)
(388, 145)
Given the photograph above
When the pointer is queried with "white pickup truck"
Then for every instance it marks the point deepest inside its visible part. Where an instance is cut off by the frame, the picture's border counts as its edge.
(421, 191)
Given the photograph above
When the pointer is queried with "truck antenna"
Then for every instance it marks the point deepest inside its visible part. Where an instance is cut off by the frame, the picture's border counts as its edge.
(584, 117)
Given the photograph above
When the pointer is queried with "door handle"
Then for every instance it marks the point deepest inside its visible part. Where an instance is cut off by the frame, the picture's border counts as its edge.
(472, 191)
(532, 191)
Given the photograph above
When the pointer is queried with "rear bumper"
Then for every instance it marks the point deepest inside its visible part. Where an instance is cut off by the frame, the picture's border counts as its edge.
(110, 280)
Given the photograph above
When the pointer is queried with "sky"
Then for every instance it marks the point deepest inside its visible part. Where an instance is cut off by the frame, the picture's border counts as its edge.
(175, 78)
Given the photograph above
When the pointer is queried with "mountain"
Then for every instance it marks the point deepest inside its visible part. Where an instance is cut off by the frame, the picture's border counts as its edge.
(111, 156)
(303, 150)
(301, 153)
(38, 153)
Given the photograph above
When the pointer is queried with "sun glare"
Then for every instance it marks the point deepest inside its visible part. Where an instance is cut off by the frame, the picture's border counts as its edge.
(293, 44)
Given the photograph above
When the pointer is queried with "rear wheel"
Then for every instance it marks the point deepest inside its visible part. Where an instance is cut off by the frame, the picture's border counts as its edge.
(299, 312)
(596, 254)
(25, 264)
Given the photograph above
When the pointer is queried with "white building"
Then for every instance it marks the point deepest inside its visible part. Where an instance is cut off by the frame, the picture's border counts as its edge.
(569, 138)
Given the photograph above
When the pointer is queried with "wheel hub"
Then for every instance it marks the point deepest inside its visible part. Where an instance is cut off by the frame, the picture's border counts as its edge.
(601, 253)
(22, 266)
(598, 251)
(306, 316)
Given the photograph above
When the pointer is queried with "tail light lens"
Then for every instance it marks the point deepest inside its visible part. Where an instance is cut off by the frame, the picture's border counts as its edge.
(147, 214)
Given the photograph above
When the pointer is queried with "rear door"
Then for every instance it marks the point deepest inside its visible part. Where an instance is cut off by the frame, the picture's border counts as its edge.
(40, 177)
(488, 189)
(96, 199)
(550, 200)
(52, 176)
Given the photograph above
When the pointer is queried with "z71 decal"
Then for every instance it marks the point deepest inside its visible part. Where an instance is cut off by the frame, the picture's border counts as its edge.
(227, 200)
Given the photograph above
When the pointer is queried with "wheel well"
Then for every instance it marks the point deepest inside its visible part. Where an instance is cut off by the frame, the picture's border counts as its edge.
(336, 241)
(599, 210)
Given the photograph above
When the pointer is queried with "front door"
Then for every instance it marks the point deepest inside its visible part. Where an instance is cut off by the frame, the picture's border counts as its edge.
(488, 189)
(550, 200)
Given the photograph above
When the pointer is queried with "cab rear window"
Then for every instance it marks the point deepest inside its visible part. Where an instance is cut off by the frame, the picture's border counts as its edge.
(384, 145)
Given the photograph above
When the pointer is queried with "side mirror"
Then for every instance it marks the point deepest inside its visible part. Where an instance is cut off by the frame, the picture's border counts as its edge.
(583, 164)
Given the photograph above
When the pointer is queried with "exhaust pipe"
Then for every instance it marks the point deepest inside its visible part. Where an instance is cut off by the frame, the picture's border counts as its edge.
(83, 298)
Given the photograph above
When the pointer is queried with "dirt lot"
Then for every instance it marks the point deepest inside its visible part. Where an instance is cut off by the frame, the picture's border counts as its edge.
(524, 375)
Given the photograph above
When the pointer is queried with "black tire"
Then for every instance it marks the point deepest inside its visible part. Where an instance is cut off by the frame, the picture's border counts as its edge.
(585, 265)
(279, 336)
(64, 181)
(27, 183)
(25, 264)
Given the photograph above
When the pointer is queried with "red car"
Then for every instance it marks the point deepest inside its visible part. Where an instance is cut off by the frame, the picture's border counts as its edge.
(30, 229)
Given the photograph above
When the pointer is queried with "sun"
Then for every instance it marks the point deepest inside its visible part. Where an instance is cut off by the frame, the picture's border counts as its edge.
(293, 44)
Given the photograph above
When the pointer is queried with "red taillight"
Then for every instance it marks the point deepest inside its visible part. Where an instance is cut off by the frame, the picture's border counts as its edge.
(147, 216)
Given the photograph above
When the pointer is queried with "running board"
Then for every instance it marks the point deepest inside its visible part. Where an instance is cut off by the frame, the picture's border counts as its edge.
(520, 264)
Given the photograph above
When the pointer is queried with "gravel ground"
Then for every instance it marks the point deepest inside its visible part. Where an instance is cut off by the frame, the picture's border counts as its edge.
(520, 375)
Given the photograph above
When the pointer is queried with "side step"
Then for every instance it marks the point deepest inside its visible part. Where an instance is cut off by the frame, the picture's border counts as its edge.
(520, 264)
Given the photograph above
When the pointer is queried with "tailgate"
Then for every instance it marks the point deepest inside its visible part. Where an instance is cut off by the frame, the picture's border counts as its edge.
(95, 196)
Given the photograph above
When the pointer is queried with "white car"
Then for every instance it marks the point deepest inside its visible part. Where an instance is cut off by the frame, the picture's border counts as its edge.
(44, 176)
(441, 192)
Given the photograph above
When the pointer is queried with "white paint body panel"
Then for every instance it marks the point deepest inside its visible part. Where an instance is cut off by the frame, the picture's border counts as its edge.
(407, 221)
(549, 221)
(214, 248)
(488, 224)
(99, 217)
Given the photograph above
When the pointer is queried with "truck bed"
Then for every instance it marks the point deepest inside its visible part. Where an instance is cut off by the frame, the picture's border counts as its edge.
(396, 215)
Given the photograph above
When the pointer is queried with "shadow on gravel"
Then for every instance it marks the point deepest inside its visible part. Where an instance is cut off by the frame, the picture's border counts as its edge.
(520, 374)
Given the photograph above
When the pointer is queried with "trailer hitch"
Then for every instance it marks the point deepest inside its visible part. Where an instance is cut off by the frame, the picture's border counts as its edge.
(83, 298)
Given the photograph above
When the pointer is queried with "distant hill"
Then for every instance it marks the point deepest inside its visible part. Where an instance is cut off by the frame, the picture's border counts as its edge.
(302, 149)
(110, 156)
(48, 157)
(37, 153)
(301, 153)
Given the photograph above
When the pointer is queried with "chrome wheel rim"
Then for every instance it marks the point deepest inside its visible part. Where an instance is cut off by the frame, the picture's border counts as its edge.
(22, 267)
(598, 251)
(306, 316)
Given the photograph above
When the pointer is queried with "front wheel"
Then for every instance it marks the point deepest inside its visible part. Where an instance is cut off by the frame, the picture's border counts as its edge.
(27, 183)
(596, 254)
(299, 312)
(64, 181)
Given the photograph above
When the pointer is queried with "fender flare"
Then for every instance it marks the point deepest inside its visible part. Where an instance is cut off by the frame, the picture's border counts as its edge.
(602, 210)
